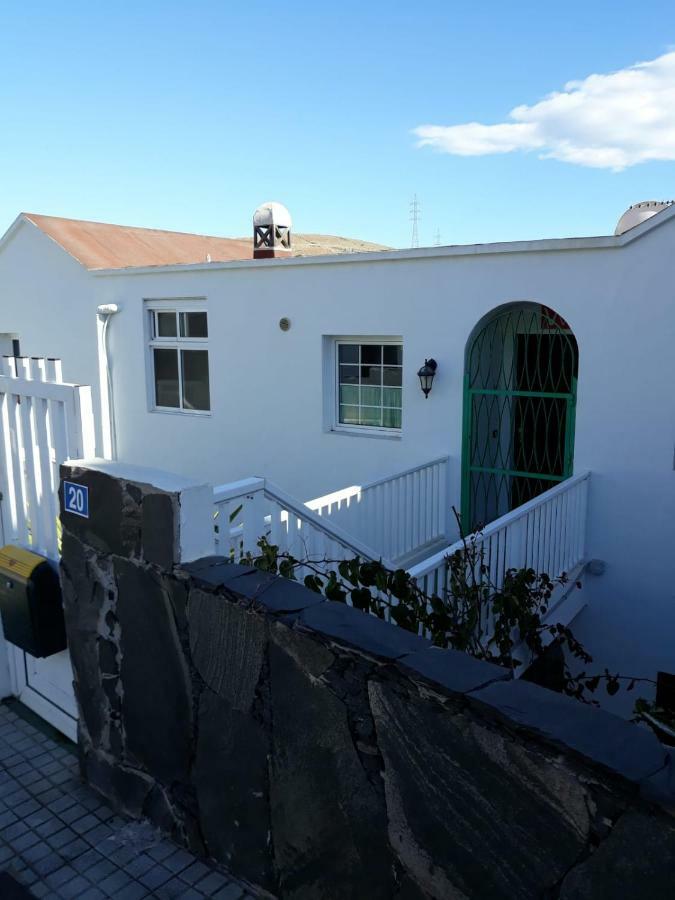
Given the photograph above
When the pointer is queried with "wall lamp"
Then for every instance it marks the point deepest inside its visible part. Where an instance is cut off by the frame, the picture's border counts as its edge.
(426, 376)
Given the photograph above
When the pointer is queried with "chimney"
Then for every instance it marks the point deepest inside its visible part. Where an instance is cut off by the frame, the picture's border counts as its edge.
(271, 232)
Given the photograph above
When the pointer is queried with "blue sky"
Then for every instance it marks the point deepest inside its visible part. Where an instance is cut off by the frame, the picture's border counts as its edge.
(187, 115)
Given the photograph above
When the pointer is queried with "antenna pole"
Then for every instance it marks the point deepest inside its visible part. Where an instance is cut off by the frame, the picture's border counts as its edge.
(414, 218)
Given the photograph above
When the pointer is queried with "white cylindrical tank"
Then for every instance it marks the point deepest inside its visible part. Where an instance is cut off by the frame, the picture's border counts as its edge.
(640, 212)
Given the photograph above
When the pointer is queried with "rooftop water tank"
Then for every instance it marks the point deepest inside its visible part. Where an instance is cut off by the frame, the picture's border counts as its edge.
(640, 212)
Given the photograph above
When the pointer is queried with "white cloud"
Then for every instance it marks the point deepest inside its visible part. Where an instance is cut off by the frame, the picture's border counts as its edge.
(605, 122)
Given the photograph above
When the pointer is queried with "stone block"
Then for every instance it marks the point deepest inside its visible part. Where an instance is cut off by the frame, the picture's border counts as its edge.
(231, 778)
(328, 822)
(362, 631)
(114, 523)
(602, 738)
(273, 593)
(227, 643)
(470, 812)
(159, 529)
(451, 671)
(157, 704)
(660, 787)
(636, 860)
(126, 788)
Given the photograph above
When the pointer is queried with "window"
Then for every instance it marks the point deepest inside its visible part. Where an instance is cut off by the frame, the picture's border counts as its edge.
(369, 384)
(179, 359)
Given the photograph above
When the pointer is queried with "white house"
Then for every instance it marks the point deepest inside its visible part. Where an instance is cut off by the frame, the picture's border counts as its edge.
(553, 357)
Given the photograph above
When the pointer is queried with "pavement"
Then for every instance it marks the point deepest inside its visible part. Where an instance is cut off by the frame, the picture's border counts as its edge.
(59, 839)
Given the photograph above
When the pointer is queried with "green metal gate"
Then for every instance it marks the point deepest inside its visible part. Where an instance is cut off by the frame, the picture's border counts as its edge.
(520, 388)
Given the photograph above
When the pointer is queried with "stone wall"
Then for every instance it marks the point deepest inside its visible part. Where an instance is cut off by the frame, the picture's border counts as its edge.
(321, 753)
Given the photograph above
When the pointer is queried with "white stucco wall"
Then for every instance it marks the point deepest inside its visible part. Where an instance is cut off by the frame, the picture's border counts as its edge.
(267, 385)
(48, 301)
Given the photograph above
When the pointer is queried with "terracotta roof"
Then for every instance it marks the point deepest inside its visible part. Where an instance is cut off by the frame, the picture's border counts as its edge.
(97, 245)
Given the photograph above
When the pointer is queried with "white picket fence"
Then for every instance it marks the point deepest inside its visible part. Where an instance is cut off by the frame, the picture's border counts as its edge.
(44, 422)
(547, 534)
(398, 515)
(252, 508)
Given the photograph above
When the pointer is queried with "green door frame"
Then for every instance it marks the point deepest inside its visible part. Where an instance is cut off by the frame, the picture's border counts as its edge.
(467, 422)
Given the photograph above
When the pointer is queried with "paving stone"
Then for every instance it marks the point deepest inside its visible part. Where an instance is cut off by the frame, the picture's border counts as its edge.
(61, 876)
(74, 849)
(73, 888)
(194, 872)
(229, 892)
(133, 891)
(48, 864)
(36, 852)
(85, 824)
(26, 840)
(93, 865)
(155, 876)
(140, 866)
(99, 833)
(213, 882)
(92, 894)
(51, 826)
(14, 830)
(71, 813)
(178, 861)
(61, 838)
(114, 883)
(161, 851)
(6, 853)
(7, 818)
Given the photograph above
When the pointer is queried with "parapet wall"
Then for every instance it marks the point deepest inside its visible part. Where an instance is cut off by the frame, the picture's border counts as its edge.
(321, 753)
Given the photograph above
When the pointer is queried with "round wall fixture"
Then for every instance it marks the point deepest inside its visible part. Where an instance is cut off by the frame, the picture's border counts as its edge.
(284, 324)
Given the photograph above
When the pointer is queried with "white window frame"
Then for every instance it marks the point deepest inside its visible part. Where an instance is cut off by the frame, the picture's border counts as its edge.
(332, 390)
(175, 306)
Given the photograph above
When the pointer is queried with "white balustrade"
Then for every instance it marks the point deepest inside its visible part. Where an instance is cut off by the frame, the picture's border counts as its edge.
(398, 515)
(547, 534)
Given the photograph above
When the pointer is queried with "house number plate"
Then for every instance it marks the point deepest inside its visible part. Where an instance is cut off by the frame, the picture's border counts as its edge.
(76, 499)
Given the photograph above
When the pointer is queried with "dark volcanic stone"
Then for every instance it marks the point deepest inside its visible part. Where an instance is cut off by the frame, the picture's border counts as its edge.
(156, 708)
(660, 787)
(472, 814)
(83, 600)
(230, 775)
(159, 527)
(273, 593)
(605, 739)
(114, 519)
(451, 670)
(217, 573)
(365, 632)
(126, 788)
(227, 644)
(636, 860)
(107, 656)
(328, 823)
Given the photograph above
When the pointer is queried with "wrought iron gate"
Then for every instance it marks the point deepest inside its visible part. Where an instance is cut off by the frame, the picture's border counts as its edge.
(520, 388)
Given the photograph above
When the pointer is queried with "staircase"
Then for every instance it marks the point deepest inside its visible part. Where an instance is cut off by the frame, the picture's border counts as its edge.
(405, 521)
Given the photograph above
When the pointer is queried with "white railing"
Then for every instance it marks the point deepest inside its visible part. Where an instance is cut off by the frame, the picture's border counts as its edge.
(44, 422)
(547, 534)
(252, 508)
(396, 515)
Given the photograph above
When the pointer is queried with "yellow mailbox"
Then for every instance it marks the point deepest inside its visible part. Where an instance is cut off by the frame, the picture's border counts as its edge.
(30, 602)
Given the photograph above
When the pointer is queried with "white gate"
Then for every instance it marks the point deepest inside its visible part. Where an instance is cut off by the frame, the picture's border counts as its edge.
(44, 422)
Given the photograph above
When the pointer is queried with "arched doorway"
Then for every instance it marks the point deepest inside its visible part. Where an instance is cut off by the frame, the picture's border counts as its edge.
(520, 388)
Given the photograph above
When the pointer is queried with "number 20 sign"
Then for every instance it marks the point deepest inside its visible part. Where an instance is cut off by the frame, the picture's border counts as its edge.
(76, 499)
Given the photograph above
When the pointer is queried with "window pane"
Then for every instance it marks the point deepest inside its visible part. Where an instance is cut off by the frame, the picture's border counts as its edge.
(195, 379)
(371, 374)
(391, 396)
(371, 396)
(349, 374)
(166, 378)
(393, 355)
(349, 393)
(371, 353)
(349, 415)
(165, 324)
(193, 325)
(391, 418)
(348, 353)
(392, 376)
(371, 415)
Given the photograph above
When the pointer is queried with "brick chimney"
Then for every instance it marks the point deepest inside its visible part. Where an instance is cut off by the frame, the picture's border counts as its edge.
(271, 232)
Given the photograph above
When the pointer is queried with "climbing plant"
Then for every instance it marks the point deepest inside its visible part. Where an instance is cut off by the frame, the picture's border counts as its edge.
(503, 624)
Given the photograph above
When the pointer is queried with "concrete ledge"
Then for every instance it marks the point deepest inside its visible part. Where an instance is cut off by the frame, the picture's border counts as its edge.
(451, 671)
(600, 737)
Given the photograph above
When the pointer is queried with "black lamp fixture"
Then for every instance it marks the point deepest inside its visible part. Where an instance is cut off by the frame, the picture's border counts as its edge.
(426, 375)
